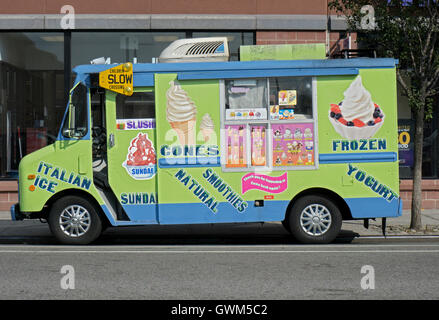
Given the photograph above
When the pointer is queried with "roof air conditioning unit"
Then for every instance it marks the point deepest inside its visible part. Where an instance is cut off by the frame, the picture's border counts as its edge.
(196, 50)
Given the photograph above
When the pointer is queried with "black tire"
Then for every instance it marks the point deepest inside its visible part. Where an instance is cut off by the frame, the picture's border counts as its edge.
(286, 225)
(311, 212)
(73, 220)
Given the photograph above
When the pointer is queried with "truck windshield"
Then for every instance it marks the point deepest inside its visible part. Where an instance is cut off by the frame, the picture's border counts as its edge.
(75, 123)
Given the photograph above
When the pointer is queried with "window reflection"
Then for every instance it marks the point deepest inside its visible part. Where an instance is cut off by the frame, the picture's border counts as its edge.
(31, 94)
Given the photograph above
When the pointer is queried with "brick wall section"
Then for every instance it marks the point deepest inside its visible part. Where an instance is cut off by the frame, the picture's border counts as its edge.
(8, 194)
(298, 37)
(430, 194)
(290, 37)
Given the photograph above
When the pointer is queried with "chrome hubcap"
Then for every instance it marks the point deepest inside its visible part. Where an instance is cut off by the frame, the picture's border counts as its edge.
(315, 220)
(75, 221)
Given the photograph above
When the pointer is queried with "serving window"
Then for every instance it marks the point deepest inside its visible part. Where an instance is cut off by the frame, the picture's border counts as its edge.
(269, 124)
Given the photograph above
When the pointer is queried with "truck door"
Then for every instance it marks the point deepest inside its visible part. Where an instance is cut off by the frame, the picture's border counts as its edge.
(131, 153)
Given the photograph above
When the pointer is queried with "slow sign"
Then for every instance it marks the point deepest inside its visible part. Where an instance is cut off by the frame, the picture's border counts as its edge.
(118, 79)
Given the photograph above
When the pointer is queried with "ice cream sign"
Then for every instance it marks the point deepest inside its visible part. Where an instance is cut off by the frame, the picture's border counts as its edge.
(141, 158)
(357, 118)
(118, 79)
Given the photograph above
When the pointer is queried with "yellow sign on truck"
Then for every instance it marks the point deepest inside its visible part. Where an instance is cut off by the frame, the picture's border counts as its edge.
(118, 79)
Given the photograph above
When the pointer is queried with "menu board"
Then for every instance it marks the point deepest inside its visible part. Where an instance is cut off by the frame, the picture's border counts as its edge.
(293, 144)
(236, 146)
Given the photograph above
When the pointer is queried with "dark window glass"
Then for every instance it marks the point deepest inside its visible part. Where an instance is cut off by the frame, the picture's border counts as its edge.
(31, 94)
(140, 105)
(292, 94)
(246, 93)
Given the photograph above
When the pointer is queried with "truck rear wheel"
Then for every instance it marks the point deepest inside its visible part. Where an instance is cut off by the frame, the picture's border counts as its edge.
(314, 219)
(73, 220)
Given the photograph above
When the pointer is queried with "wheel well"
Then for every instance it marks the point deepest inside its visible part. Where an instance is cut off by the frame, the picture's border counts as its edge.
(338, 201)
(79, 193)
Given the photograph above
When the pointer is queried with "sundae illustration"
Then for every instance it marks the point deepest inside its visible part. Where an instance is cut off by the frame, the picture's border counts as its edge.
(141, 159)
(181, 113)
(207, 127)
(356, 117)
(307, 134)
(288, 134)
(297, 134)
(277, 133)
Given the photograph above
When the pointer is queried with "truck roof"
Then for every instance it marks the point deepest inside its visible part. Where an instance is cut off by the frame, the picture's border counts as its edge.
(144, 72)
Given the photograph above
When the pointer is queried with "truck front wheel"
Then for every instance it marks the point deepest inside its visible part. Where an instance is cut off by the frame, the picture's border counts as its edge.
(314, 219)
(73, 220)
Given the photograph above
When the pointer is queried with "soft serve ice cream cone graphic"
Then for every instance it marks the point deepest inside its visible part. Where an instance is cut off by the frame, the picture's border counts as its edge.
(207, 127)
(356, 117)
(181, 113)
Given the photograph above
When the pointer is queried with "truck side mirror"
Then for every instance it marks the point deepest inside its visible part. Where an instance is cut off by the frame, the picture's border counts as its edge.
(72, 120)
(76, 121)
(70, 130)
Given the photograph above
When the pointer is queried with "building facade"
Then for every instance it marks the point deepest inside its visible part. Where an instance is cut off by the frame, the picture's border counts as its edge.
(42, 40)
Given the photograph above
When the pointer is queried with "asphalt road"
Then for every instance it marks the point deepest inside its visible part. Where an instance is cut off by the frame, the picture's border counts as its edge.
(205, 265)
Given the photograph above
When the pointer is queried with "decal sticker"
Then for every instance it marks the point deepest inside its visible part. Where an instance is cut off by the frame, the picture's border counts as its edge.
(181, 113)
(371, 182)
(264, 183)
(135, 124)
(356, 117)
(48, 177)
(141, 158)
(138, 198)
(206, 197)
(293, 144)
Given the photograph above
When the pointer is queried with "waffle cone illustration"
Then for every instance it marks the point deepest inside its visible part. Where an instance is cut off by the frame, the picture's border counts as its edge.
(185, 131)
(207, 127)
(206, 134)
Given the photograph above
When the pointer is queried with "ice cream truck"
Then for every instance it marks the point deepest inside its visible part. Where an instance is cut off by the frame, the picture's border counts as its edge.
(196, 139)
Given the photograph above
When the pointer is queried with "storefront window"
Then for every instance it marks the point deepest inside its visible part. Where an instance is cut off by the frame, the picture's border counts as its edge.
(31, 94)
(406, 129)
(33, 73)
(120, 46)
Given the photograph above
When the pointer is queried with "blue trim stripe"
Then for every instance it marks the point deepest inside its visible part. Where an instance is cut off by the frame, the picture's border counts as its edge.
(362, 208)
(188, 162)
(143, 80)
(234, 74)
(329, 158)
(246, 65)
(187, 213)
(194, 213)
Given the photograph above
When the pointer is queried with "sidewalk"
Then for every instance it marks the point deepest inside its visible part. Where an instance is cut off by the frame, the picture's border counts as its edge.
(395, 226)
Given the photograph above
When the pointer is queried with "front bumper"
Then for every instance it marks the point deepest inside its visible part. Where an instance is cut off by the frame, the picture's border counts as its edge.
(16, 214)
